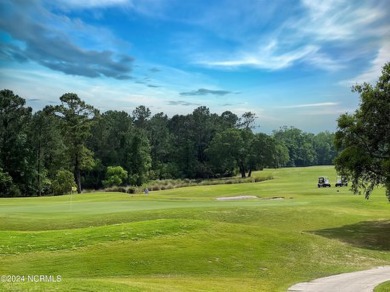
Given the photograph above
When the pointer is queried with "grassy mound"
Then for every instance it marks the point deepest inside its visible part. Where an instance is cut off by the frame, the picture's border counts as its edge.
(184, 239)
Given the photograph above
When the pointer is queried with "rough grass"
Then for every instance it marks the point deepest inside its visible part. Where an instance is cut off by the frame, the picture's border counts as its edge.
(168, 184)
(186, 240)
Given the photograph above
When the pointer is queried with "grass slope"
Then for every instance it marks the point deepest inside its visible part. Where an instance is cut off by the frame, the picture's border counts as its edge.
(186, 240)
(384, 287)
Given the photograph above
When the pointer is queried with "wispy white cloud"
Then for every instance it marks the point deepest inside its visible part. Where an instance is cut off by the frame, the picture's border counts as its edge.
(324, 34)
(323, 61)
(337, 20)
(157, 9)
(372, 74)
(263, 57)
(311, 105)
(205, 91)
(77, 4)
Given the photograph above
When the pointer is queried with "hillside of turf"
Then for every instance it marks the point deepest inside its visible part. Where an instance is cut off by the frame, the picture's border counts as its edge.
(185, 239)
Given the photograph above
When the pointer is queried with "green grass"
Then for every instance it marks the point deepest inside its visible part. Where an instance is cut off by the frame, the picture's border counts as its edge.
(384, 287)
(186, 240)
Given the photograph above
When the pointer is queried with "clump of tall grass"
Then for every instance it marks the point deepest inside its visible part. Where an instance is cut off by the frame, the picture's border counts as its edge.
(118, 189)
(167, 184)
(180, 183)
(123, 189)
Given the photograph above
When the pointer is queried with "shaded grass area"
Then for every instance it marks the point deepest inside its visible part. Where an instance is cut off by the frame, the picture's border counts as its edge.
(367, 234)
(186, 240)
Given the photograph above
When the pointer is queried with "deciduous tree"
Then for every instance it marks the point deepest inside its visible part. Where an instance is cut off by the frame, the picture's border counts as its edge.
(364, 138)
(115, 176)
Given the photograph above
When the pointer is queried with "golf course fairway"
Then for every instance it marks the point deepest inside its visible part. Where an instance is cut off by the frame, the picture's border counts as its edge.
(284, 231)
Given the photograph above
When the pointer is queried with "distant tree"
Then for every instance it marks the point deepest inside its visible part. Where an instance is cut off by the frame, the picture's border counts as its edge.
(190, 136)
(202, 130)
(249, 153)
(138, 160)
(160, 145)
(115, 175)
(5, 184)
(15, 151)
(240, 149)
(183, 155)
(247, 120)
(227, 153)
(110, 135)
(299, 144)
(324, 147)
(141, 115)
(281, 156)
(48, 150)
(77, 118)
(109, 140)
(364, 138)
(63, 182)
(262, 151)
(228, 120)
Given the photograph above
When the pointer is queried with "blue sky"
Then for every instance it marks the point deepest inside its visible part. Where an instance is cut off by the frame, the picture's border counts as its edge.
(292, 62)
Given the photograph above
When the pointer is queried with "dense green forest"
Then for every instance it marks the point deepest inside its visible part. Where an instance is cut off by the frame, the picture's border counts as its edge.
(41, 151)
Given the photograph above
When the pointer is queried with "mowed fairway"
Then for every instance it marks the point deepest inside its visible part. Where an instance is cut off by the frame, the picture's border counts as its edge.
(186, 240)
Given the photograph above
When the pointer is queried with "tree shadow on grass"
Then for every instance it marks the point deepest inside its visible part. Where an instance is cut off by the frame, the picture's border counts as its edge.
(366, 234)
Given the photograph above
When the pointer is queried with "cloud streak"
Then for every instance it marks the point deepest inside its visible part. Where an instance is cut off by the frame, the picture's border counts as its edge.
(311, 105)
(262, 58)
(76, 4)
(371, 74)
(204, 91)
(182, 102)
(326, 34)
(337, 20)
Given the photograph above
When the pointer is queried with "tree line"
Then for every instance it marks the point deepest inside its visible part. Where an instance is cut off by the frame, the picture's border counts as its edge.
(73, 143)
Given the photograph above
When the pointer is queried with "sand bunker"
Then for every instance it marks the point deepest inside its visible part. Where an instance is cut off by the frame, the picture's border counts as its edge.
(236, 198)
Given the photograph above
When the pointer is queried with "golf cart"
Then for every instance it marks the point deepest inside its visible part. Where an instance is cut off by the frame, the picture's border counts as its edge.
(323, 181)
(341, 181)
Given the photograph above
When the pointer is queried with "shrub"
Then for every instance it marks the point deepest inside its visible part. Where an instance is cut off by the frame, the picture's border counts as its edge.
(115, 175)
(116, 189)
(131, 190)
(63, 182)
(5, 183)
(260, 179)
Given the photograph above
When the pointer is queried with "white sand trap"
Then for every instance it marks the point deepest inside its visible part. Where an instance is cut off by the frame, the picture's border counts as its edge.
(236, 198)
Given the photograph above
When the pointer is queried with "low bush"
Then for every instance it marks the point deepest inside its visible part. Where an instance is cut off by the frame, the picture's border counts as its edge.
(63, 182)
(116, 189)
(131, 190)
